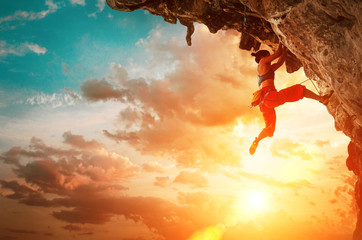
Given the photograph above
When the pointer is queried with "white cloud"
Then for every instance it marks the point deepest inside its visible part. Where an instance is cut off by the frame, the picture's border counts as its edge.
(30, 16)
(51, 5)
(20, 49)
(55, 100)
(18, 15)
(36, 48)
(101, 4)
(7, 49)
(93, 15)
(38, 15)
(78, 2)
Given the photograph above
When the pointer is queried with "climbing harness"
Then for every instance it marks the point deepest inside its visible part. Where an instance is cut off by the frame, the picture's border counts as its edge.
(258, 98)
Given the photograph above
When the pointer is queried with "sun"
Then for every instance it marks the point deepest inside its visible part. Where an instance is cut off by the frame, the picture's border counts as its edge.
(256, 201)
(250, 204)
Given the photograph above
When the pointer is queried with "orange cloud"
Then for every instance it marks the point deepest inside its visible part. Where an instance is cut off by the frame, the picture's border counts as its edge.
(74, 227)
(286, 148)
(193, 178)
(183, 114)
(153, 167)
(79, 142)
(56, 170)
(83, 186)
(95, 90)
(78, 197)
(161, 181)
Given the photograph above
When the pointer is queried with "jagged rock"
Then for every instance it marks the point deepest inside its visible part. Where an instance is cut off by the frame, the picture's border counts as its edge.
(323, 36)
(247, 42)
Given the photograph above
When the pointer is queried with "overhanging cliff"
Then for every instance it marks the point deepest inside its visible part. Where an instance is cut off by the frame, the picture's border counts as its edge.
(323, 36)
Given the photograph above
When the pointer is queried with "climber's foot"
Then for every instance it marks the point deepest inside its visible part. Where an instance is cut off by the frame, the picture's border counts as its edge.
(325, 98)
(253, 146)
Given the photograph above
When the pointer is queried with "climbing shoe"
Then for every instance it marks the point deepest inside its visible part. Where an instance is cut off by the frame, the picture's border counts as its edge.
(253, 146)
(326, 98)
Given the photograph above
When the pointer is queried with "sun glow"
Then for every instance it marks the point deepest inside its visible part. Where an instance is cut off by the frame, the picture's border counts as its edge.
(256, 200)
(250, 204)
(209, 233)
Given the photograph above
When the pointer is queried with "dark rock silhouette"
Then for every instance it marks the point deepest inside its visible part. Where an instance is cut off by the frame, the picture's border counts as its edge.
(325, 37)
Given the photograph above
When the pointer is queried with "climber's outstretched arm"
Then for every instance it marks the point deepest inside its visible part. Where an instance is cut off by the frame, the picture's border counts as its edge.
(275, 55)
(281, 59)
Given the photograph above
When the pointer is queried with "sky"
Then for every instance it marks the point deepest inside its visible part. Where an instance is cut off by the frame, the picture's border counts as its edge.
(113, 128)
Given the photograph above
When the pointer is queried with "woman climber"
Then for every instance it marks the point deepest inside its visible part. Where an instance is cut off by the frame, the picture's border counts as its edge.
(269, 98)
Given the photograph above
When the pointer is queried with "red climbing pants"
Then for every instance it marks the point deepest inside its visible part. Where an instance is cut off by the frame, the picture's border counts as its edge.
(273, 99)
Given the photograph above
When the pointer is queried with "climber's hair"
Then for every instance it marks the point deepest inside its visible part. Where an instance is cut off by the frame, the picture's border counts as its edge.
(259, 54)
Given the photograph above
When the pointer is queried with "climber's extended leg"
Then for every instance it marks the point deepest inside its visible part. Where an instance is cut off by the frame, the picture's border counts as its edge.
(270, 120)
(322, 99)
(297, 92)
(309, 94)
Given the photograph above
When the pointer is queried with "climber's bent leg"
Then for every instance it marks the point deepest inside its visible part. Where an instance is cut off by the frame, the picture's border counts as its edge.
(291, 94)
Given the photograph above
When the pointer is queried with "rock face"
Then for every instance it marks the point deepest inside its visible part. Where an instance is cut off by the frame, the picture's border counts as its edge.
(323, 36)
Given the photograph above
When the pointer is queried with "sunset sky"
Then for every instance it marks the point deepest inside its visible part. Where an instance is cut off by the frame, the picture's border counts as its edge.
(113, 128)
